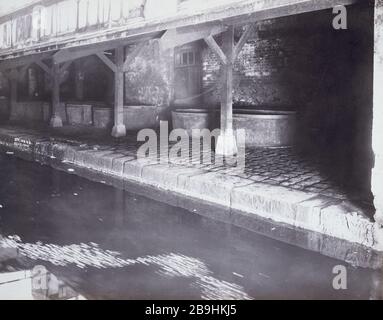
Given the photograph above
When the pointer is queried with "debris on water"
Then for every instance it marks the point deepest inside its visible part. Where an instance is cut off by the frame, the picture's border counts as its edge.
(75, 194)
(52, 157)
(102, 181)
(194, 210)
(237, 275)
(70, 170)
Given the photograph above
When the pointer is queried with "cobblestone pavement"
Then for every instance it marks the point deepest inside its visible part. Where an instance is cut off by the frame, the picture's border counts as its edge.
(286, 167)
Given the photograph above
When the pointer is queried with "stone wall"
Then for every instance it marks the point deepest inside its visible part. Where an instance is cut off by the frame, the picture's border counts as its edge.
(148, 80)
(377, 174)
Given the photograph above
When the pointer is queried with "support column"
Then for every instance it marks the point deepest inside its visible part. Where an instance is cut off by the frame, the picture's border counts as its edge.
(56, 120)
(226, 144)
(13, 77)
(377, 131)
(119, 129)
(79, 80)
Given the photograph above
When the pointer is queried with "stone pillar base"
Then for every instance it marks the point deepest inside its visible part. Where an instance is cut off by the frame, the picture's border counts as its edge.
(119, 131)
(56, 122)
(226, 144)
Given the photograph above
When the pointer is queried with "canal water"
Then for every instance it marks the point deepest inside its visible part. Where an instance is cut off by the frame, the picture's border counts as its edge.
(65, 237)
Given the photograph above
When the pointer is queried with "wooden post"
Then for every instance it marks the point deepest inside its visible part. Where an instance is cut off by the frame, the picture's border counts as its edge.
(79, 81)
(119, 129)
(226, 144)
(13, 77)
(56, 120)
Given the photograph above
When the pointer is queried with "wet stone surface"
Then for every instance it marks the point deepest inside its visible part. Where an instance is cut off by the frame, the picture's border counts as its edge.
(292, 168)
(92, 241)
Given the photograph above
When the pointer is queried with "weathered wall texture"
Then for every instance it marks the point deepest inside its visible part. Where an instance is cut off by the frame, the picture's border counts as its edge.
(302, 63)
(377, 176)
(149, 78)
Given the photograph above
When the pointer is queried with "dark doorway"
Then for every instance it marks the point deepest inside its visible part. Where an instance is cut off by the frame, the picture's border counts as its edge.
(188, 75)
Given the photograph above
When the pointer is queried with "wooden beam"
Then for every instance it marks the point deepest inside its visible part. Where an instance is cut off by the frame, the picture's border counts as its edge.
(43, 66)
(227, 87)
(119, 129)
(177, 37)
(216, 49)
(245, 36)
(226, 144)
(56, 120)
(74, 53)
(245, 12)
(78, 52)
(23, 70)
(13, 77)
(22, 61)
(65, 66)
(107, 61)
(136, 51)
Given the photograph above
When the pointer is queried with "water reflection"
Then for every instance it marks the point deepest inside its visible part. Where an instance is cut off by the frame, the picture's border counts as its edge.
(98, 242)
(45, 284)
(35, 284)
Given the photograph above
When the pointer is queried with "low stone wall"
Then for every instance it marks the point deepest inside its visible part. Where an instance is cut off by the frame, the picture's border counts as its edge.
(189, 119)
(27, 111)
(267, 128)
(102, 117)
(305, 210)
(79, 114)
(4, 108)
(141, 117)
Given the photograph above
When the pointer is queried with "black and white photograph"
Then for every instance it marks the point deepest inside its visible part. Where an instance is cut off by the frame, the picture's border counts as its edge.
(191, 155)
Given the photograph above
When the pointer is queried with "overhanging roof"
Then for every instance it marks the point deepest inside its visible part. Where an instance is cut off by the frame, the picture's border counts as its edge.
(238, 13)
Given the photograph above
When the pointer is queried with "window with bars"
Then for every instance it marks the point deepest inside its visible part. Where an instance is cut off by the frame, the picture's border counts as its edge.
(187, 58)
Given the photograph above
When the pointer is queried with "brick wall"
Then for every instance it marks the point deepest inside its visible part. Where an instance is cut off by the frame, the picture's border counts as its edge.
(301, 63)
(289, 62)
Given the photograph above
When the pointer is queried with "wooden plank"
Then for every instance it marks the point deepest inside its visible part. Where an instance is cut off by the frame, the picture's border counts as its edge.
(71, 54)
(77, 52)
(56, 120)
(243, 13)
(79, 80)
(22, 61)
(107, 61)
(216, 49)
(13, 76)
(23, 71)
(177, 37)
(245, 36)
(227, 86)
(65, 66)
(43, 66)
(119, 128)
(136, 51)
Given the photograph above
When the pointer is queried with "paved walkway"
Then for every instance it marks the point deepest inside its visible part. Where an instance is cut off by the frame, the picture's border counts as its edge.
(278, 184)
